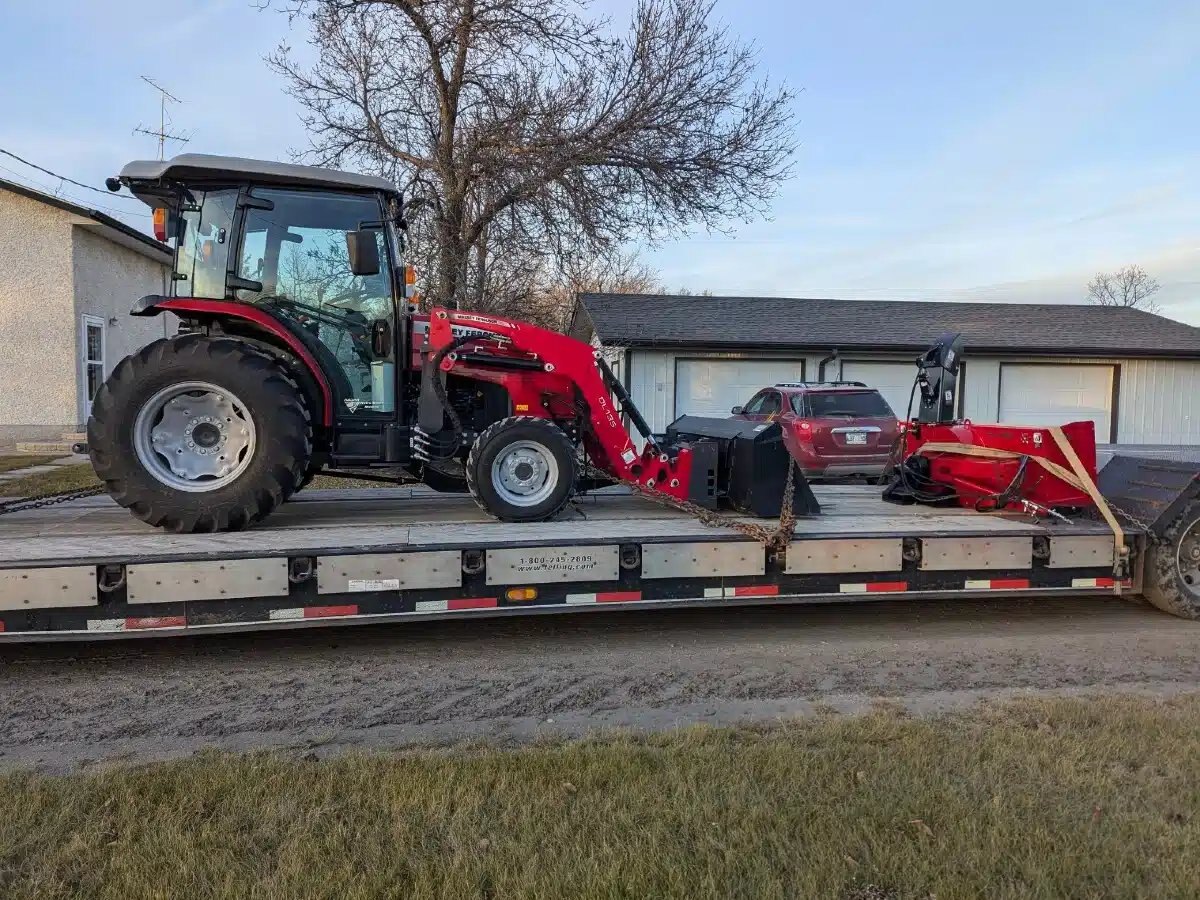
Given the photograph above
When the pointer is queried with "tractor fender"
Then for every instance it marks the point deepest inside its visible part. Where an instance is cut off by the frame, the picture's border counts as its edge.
(196, 307)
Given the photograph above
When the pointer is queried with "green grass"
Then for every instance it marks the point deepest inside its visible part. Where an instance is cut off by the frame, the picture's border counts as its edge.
(60, 480)
(8, 463)
(1066, 798)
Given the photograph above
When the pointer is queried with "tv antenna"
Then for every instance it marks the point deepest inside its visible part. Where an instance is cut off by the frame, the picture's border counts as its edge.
(164, 120)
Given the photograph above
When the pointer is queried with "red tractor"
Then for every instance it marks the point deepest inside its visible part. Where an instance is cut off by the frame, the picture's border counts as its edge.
(299, 350)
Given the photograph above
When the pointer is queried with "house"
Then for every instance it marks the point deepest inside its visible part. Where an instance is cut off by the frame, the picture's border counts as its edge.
(68, 275)
(1136, 375)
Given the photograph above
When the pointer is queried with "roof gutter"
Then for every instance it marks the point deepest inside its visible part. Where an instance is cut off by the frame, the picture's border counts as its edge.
(972, 350)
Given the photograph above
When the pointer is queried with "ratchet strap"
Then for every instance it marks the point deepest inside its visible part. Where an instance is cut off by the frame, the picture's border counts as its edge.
(1077, 476)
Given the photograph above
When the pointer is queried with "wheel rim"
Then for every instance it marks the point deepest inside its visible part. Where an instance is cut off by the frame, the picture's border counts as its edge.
(194, 436)
(1187, 560)
(525, 473)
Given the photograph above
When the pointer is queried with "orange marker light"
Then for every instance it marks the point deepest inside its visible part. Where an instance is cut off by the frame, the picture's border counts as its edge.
(526, 593)
(159, 218)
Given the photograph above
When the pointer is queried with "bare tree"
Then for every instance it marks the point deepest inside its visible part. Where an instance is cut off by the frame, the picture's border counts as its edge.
(534, 137)
(1128, 286)
(619, 273)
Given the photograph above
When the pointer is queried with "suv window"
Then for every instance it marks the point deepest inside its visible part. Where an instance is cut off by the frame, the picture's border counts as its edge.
(768, 403)
(859, 404)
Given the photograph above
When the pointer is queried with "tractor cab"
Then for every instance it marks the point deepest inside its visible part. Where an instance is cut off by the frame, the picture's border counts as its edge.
(313, 257)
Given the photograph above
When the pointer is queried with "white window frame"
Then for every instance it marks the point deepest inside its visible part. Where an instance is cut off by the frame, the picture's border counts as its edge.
(84, 322)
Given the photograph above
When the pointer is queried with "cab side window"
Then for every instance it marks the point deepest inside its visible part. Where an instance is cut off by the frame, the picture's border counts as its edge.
(204, 236)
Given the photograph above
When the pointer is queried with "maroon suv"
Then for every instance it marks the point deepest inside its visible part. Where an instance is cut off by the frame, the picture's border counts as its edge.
(832, 429)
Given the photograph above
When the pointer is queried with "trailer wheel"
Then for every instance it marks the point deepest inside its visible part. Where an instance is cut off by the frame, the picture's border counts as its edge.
(1172, 573)
(198, 434)
(522, 469)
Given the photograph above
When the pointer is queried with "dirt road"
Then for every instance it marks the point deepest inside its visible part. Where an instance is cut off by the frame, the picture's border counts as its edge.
(65, 706)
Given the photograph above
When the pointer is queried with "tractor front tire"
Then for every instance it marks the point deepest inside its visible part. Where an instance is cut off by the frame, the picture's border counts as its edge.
(522, 469)
(197, 434)
(1171, 577)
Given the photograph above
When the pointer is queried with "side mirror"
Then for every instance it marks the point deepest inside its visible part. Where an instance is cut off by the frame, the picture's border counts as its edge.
(381, 339)
(737, 410)
(363, 251)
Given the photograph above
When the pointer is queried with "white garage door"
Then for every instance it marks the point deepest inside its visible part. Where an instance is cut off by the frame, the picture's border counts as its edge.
(892, 379)
(1055, 395)
(711, 387)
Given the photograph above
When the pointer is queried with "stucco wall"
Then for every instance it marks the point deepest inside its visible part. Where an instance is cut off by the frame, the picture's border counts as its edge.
(37, 334)
(108, 279)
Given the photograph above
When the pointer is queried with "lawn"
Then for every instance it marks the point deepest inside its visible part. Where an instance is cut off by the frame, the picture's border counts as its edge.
(1064, 798)
(8, 463)
(60, 480)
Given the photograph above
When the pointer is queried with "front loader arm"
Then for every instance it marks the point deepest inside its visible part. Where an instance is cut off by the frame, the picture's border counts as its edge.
(581, 366)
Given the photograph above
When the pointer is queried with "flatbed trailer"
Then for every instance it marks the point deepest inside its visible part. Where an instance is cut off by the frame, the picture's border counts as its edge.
(87, 569)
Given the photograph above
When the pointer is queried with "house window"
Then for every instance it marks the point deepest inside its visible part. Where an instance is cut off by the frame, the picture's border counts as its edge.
(92, 346)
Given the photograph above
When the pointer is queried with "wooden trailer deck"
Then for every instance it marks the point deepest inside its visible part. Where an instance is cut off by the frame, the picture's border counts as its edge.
(395, 520)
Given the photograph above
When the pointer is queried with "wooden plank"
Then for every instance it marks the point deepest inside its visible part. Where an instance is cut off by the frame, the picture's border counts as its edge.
(101, 532)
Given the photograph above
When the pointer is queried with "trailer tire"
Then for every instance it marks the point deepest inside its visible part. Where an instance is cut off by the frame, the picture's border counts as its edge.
(1172, 570)
(129, 420)
(522, 469)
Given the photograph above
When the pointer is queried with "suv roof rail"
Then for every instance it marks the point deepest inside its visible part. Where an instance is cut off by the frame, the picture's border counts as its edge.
(813, 384)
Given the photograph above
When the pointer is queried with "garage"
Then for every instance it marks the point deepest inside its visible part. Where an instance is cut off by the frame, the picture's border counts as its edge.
(1045, 394)
(711, 387)
(892, 379)
(1134, 374)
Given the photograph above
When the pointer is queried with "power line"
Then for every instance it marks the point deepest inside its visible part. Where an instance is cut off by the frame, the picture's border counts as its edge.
(89, 204)
(56, 175)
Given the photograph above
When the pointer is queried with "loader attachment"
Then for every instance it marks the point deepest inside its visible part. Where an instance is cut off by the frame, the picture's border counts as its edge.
(740, 465)
(1151, 491)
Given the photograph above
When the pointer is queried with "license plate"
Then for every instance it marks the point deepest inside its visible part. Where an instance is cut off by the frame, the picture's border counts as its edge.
(856, 437)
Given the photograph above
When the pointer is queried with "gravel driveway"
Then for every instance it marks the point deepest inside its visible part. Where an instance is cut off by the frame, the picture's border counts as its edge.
(66, 706)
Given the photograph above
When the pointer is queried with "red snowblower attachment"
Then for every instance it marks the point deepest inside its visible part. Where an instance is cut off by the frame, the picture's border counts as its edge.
(1042, 471)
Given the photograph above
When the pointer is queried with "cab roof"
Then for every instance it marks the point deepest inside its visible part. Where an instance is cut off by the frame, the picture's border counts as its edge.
(194, 167)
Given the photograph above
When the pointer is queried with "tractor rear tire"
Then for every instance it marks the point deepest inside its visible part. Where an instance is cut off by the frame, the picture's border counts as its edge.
(522, 469)
(223, 399)
(1171, 577)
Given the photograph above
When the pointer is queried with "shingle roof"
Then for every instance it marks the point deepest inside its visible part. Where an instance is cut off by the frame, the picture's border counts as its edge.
(634, 320)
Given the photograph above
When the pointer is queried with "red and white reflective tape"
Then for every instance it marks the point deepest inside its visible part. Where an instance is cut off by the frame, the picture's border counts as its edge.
(457, 604)
(1, 628)
(313, 612)
(604, 597)
(998, 584)
(1099, 582)
(746, 590)
(137, 623)
(874, 587)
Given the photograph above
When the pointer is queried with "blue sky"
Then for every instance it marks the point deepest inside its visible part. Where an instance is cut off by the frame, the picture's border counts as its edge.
(948, 150)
